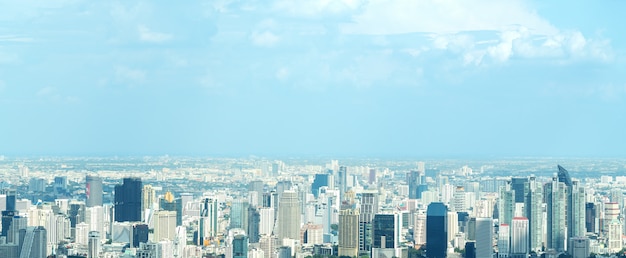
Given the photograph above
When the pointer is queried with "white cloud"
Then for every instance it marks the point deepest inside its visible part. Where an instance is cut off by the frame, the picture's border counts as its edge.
(47, 91)
(445, 17)
(123, 73)
(318, 8)
(264, 39)
(147, 35)
(15, 38)
(282, 74)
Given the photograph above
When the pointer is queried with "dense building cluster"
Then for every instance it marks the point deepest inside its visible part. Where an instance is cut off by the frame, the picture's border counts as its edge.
(268, 209)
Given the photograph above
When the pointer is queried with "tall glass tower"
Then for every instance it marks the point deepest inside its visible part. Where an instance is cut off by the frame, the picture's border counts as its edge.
(436, 230)
(556, 203)
(128, 200)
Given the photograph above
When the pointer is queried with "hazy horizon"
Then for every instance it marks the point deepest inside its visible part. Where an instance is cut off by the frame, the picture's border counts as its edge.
(313, 78)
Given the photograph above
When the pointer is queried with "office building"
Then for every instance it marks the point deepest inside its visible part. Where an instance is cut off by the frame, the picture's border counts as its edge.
(504, 246)
(33, 242)
(94, 246)
(385, 231)
(436, 230)
(289, 214)
(348, 232)
(207, 226)
(240, 246)
(519, 238)
(239, 214)
(578, 247)
(484, 238)
(254, 224)
(556, 201)
(128, 200)
(164, 225)
(93, 191)
(368, 208)
(169, 203)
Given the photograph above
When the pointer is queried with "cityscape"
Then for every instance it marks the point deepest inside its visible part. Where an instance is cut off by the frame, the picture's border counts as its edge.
(257, 207)
(312, 129)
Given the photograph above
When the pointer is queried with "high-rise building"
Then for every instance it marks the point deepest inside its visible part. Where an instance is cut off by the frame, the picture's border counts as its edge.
(576, 211)
(521, 188)
(484, 238)
(164, 225)
(267, 221)
(10, 210)
(207, 226)
(148, 199)
(385, 231)
(128, 200)
(519, 238)
(590, 217)
(578, 247)
(140, 234)
(240, 246)
(169, 203)
(341, 181)
(419, 228)
(575, 206)
(94, 246)
(504, 244)
(534, 213)
(506, 205)
(615, 236)
(556, 202)
(372, 176)
(33, 242)
(414, 180)
(368, 208)
(349, 232)
(289, 216)
(254, 224)
(94, 217)
(436, 234)
(319, 181)
(18, 223)
(239, 214)
(93, 191)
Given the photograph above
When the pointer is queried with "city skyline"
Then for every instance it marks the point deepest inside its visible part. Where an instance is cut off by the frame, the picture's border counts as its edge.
(331, 78)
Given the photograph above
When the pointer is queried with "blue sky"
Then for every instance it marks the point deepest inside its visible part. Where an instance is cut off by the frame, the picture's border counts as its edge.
(409, 78)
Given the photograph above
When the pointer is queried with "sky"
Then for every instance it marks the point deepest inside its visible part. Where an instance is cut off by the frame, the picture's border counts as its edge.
(402, 78)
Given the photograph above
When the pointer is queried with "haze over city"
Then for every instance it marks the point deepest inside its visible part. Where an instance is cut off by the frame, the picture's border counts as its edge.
(308, 78)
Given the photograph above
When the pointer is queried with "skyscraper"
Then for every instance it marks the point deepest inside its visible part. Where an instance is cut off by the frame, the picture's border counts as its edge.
(319, 181)
(556, 201)
(385, 233)
(575, 207)
(519, 238)
(207, 226)
(349, 232)
(239, 214)
(436, 234)
(164, 225)
(128, 200)
(289, 216)
(93, 191)
(240, 246)
(94, 245)
(534, 213)
(504, 241)
(169, 203)
(33, 242)
(368, 207)
(484, 238)
(254, 224)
